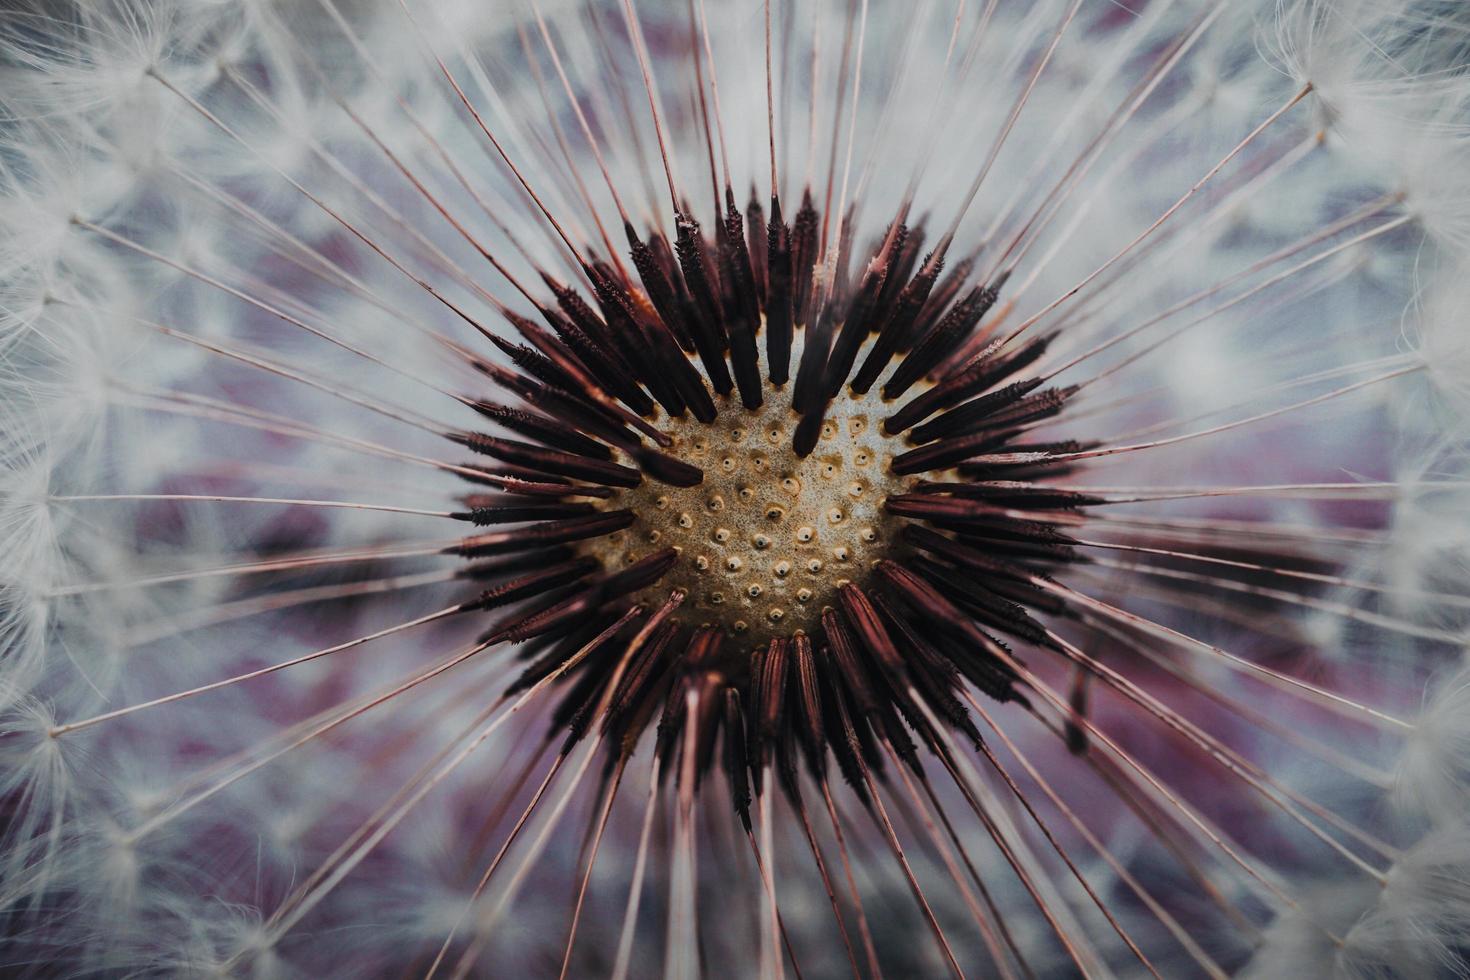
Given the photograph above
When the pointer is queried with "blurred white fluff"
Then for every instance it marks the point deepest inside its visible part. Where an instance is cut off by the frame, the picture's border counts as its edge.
(1411, 927)
(1417, 926)
(1434, 773)
(1388, 79)
(1442, 334)
(92, 134)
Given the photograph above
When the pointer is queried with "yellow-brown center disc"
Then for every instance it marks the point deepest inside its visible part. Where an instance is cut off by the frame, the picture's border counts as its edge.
(767, 538)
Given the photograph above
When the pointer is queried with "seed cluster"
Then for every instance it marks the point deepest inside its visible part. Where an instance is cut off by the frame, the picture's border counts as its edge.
(756, 508)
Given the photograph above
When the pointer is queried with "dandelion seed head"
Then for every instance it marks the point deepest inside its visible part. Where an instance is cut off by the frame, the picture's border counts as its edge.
(541, 491)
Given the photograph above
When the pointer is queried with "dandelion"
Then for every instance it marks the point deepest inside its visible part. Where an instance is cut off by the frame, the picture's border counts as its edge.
(617, 487)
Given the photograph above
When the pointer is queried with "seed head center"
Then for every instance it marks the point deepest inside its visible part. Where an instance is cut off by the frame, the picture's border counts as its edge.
(767, 539)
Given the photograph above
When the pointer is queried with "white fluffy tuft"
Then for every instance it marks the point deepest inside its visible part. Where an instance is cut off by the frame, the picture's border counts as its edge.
(1417, 927)
(1433, 776)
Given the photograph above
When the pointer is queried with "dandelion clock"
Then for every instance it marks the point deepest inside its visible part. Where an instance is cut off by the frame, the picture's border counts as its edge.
(780, 488)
